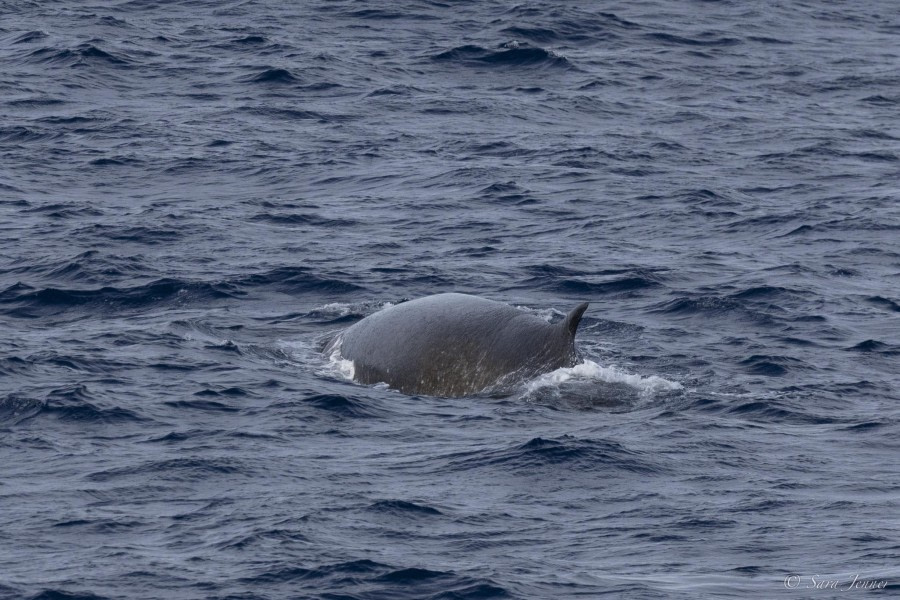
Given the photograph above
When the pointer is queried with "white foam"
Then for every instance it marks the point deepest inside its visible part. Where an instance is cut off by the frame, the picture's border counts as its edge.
(339, 309)
(591, 371)
(342, 309)
(547, 314)
(337, 365)
(341, 366)
(308, 353)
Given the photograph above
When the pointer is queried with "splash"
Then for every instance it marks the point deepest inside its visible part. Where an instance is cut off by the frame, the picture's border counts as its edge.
(337, 365)
(591, 371)
(333, 310)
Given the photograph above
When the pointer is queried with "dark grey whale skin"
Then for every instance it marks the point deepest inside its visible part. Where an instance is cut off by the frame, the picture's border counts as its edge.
(456, 345)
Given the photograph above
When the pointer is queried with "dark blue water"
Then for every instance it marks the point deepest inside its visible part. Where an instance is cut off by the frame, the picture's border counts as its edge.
(195, 194)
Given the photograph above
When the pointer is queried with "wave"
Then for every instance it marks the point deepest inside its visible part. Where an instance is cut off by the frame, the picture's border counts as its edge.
(771, 365)
(512, 55)
(535, 34)
(293, 573)
(340, 312)
(574, 453)
(379, 580)
(273, 76)
(91, 266)
(311, 219)
(60, 594)
(875, 347)
(294, 114)
(22, 134)
(625, 284)
(765, 292)
(706, 39)
(262, 538)
(14, 365)
(30, 36)
(508, 193)
(84, 363)
(58, 210)
(394, 90)
(229, 392)
(71, 403)
(575, 27)
(294, 280)
(32, 102)
(83, 55)
(202, 405)
(255, 44)
(176, 469)
(402, 508)
(343, 406)
(881, 100)
(567, 281)
(139, 234)
(589, 383)
(868, 426)
(379, 14)
(715, 307)
(14, 409)
(771, 408)
(25, 301)
(101, 526)
(251, 40)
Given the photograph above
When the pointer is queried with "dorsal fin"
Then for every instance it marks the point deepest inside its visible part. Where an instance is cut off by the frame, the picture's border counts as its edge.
(574, 318)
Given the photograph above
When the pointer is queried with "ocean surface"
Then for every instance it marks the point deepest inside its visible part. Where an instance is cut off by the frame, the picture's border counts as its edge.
(196, 195)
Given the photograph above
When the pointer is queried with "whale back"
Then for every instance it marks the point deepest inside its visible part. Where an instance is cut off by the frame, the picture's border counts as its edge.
(457, 344)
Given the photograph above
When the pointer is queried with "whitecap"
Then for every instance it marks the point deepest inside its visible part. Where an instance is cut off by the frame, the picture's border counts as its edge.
(589, 371)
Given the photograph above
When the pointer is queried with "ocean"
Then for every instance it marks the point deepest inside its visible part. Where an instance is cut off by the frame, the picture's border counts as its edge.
(195, 196)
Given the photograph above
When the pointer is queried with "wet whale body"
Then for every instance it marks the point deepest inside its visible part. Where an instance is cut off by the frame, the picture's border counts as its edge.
(456, 345)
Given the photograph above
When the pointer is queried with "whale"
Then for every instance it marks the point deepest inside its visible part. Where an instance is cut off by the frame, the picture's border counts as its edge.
(453, 345)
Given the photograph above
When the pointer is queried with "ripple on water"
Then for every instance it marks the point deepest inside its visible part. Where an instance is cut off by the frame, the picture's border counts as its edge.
(507, 56)
(381, 580)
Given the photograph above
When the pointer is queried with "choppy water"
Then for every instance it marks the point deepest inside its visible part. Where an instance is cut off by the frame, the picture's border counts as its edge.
(194, 194)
